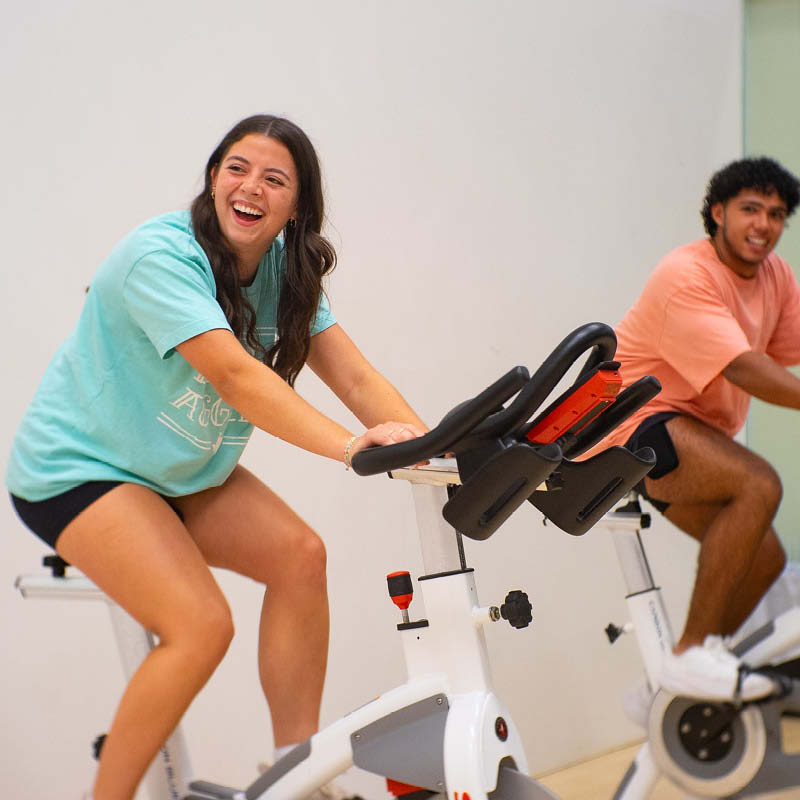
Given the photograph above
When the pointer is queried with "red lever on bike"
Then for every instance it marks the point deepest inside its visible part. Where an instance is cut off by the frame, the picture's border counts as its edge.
(401, 589)
(579, 408)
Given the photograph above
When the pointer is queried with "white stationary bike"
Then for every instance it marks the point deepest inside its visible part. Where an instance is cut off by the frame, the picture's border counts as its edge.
(707, 749)
(443, 732)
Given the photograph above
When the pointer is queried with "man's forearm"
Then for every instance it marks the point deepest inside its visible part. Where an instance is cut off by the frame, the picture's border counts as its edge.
(765, 379)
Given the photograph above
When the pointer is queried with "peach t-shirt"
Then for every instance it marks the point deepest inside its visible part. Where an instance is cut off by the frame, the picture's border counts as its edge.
(694, 316)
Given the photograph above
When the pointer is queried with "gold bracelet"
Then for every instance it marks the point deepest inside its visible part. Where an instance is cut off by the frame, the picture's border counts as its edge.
(347, 448)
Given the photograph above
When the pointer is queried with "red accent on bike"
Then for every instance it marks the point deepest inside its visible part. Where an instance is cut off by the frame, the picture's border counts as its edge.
(402, 601)
(399, 789)
(580, 408)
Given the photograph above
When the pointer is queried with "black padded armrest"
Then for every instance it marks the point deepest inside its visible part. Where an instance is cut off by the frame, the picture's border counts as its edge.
(581, 492)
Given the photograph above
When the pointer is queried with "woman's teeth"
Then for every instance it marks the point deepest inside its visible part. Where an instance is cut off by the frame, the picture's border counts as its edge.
(244, 209)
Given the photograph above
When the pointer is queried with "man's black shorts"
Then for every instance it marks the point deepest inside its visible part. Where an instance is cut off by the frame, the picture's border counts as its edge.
(652, 432)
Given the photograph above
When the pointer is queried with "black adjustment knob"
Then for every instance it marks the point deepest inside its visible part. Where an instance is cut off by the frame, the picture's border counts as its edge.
(97, 746)
(56, 564)
(613, 632)
(517, 609)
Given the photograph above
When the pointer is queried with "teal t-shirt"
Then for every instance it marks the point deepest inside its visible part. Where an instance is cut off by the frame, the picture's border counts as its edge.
(117, 402)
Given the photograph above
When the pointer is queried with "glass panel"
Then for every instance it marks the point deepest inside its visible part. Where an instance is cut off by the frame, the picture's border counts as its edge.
(772, 127)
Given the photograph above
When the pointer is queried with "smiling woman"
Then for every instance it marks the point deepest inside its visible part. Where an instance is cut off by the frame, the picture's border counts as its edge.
(255, 196)
(126, 462)
(263, 179)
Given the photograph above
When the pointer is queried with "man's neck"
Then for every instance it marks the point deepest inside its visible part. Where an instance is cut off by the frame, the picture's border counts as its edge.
(744, 269)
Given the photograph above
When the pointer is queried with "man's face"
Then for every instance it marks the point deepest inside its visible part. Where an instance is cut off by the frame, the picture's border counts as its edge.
(749, 226)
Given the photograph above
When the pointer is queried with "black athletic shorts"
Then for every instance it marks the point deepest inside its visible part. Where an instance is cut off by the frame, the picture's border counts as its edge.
(652, 432)
(47, 518)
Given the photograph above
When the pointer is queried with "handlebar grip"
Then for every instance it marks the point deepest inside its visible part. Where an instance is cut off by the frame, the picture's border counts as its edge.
(453, 426)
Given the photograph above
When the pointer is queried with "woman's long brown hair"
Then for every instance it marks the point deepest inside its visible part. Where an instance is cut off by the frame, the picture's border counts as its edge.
(308, 255)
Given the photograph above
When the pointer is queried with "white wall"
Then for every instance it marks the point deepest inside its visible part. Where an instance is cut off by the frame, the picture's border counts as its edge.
(497, 174)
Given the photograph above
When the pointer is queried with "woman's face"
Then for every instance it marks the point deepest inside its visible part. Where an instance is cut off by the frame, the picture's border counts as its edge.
(255, 194)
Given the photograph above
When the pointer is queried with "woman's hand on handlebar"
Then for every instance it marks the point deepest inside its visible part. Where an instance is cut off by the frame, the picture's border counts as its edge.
(385, 434)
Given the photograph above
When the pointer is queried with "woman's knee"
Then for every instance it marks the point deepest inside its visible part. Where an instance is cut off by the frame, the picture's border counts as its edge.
(306, 558)
(204, 629)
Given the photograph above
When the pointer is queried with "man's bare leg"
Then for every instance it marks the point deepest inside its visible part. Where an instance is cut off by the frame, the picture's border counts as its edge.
(724, 496)
(695, 520)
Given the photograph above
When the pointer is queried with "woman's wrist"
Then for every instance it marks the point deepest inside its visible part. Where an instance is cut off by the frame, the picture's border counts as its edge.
(348, 452)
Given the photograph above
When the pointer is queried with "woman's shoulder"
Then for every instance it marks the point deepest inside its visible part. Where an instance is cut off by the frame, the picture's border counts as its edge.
(166, 242)
(171, 232)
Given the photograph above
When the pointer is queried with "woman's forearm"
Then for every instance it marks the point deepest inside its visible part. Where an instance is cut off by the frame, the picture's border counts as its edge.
(267, 401)
(261, 396)
(373, 399)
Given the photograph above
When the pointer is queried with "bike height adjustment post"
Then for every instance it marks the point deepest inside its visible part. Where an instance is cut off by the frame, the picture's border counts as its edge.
(438, 540)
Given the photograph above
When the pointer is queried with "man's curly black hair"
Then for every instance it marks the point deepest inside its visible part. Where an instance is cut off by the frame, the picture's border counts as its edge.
(762, 174)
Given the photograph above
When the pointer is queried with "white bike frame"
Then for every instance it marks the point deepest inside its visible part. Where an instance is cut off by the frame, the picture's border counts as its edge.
(443, 730)
(763, 766)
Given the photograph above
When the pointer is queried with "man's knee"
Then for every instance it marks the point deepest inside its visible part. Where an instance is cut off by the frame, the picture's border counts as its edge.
(764, 486)
(776, 555)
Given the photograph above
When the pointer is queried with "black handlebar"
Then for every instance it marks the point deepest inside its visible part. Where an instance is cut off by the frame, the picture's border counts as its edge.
(595, 336)
(453, 427)
(483, 417)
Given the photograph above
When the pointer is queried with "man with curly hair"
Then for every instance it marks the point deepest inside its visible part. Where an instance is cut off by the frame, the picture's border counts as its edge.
(718, 321)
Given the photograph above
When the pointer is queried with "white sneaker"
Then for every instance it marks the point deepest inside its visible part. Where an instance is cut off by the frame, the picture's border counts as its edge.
(330, 791)
(636, 702)
(711, 672)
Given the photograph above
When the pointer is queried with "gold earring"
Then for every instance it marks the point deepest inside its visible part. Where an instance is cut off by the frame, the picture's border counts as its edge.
(212, 194)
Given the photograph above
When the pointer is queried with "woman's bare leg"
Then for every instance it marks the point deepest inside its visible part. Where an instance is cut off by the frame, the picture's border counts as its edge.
(245, 527)
(135, 548)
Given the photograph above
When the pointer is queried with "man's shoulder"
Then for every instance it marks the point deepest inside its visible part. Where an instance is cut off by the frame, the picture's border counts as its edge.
(685, 266)
(777, 265)
(696, 255)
